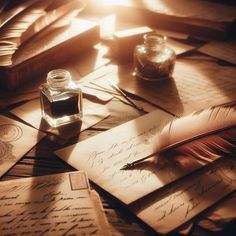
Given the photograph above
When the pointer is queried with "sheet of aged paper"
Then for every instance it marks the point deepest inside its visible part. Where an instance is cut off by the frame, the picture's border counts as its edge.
(165, 210)
(103, 155)
(92, 114)
(60, 204)
(197, 9)
(224, 50)
(195, 85)
(218, 217)
(16, 139)
(179, 47)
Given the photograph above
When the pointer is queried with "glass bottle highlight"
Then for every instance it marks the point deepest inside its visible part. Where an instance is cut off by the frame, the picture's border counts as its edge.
(61, 99)
(153, 60)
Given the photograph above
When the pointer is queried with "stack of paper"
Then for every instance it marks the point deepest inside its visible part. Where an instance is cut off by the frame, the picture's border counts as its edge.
(156, 192)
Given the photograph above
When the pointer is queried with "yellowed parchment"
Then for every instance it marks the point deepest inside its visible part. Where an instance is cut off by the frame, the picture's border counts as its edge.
(224, 50)
(103, 155)
(196, 85)
(178, 203)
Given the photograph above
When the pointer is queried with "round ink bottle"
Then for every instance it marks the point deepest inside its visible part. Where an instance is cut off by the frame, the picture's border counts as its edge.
(153, 60)
(60, 98)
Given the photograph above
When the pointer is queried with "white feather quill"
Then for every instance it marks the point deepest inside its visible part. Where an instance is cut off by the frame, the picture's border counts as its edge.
(206, 136)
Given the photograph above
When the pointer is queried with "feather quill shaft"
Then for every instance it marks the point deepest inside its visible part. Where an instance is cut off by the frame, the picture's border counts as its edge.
(206, 136)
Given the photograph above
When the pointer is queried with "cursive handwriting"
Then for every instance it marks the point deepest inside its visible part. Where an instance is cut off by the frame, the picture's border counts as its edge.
(48, 207)
(188, 197)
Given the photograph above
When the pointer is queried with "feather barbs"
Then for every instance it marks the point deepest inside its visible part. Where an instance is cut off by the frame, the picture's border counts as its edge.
(205, 135)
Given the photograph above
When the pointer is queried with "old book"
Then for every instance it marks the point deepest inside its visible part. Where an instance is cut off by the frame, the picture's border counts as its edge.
(47, 50)
(192, 17)
(195, 27)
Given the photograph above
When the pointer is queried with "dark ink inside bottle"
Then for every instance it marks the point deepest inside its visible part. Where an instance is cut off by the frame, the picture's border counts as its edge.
(153, 60)
(61, 100)
(65, 107)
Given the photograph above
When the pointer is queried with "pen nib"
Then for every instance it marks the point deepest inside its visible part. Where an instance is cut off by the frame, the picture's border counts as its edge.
(127, 166)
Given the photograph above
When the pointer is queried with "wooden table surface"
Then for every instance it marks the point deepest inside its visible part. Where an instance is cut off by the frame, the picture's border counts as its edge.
(41, 161)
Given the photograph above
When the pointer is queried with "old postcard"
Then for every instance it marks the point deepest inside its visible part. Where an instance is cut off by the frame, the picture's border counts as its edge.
(16, 139)
(59, 204)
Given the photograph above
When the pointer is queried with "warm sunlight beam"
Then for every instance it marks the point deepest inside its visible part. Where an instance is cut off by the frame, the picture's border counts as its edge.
(114, 1)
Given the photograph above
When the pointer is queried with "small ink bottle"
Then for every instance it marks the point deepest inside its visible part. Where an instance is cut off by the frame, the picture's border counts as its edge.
(61, 99)
(153, 60)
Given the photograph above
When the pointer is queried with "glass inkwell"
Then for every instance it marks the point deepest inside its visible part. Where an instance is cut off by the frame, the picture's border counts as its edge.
(153, 60)
(61, 99)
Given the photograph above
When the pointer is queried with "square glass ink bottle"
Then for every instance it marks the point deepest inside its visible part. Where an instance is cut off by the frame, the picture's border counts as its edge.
(60, 98)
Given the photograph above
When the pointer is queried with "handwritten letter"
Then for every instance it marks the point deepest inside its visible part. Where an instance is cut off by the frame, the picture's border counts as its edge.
(195, 85)
(164, 211)
(60, 204)
(103, 155)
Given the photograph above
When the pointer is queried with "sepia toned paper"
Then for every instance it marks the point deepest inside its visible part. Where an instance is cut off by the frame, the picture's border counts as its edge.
(157, 193)
(166, 210)
(179, 47)
(16, 139)
(217, 218)
(59, 204)
(224, 50)
(195, 85)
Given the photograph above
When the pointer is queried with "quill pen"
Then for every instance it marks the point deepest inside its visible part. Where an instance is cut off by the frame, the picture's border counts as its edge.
(206, 136)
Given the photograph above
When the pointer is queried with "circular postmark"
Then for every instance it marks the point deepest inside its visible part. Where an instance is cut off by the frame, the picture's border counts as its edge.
(10, 132)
